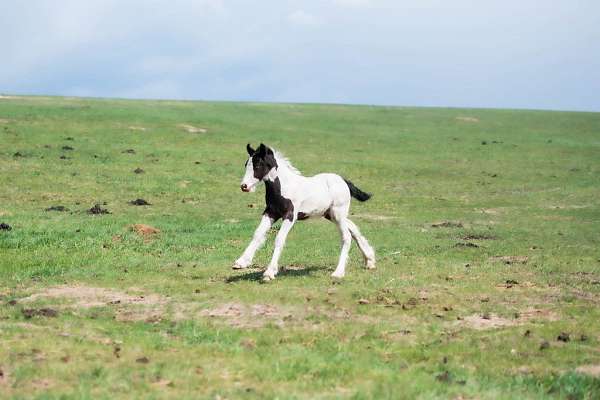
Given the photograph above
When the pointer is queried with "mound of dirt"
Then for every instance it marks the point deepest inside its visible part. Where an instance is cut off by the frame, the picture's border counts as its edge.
(39, 312)
(97, 210)
(144, 230)
(192, 129)
(139, 202)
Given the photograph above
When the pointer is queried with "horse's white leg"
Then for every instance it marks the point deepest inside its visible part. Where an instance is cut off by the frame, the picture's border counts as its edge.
(257, 240)
(363, 245)
(273, 267)
(340, 270)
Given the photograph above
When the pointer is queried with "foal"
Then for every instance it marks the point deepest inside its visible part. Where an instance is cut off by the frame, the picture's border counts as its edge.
(291, 197)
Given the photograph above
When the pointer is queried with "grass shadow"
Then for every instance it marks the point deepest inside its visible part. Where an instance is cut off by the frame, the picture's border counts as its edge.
(257, 275)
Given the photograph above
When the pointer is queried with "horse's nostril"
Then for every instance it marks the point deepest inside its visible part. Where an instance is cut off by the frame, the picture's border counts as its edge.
(244, 186)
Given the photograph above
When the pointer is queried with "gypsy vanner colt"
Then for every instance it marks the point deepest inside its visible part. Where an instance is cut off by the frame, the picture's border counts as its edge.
(291, 197)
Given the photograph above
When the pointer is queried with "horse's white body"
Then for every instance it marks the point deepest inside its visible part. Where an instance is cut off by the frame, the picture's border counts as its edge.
(321, 195)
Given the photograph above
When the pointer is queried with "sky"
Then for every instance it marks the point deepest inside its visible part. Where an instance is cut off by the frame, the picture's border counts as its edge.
(529, 54)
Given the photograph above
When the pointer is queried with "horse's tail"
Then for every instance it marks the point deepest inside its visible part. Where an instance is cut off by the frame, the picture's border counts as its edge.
(356, 192)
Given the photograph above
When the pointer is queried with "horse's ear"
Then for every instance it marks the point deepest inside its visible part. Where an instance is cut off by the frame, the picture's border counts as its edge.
(262, 150)
(250, 150)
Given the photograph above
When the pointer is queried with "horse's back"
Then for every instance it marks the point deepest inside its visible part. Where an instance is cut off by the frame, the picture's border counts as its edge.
(336, 186)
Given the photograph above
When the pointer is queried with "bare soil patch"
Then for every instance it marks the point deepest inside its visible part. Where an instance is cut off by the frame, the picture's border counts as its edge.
(592, 370)
(192, 129)
(136, 128)
(246, 316)
(4, 121)
(493, 321)
(144, 230)
(89, 296)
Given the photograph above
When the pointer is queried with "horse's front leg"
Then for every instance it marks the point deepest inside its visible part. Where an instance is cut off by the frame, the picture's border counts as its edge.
(273, 268)
(257, 240)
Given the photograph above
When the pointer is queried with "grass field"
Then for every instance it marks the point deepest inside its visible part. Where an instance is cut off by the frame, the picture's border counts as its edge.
(485, 224)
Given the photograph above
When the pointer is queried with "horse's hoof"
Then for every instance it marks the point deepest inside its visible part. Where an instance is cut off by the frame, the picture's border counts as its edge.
(337, 276)
(238, 266)
(370, 264)
(267, 278)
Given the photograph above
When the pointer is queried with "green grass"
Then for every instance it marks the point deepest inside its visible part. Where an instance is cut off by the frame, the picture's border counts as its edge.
(530, 180)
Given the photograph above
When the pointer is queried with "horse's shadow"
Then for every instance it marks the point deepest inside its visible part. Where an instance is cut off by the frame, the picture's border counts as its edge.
(257, 275)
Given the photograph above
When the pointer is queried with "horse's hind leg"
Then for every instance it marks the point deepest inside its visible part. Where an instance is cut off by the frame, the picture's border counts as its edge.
(340, 270)
(364, 246)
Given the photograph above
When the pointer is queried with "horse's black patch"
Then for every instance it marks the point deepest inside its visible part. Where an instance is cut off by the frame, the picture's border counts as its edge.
(263, 160)
(277, 205)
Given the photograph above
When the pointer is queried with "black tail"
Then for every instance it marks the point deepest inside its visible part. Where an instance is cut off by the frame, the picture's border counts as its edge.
(356, 192)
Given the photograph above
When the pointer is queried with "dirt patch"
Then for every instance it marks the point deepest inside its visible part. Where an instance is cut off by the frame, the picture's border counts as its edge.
(248, 316)
(137, 128)
(97, 210)
(139, 202)
(5, 227)
(468, 119)
(144, 230)
(89, 296)
(4, 121)
(192, 129)
(593, 370)
(447, 224)
(492, 321)
(57, 208)
(510, 259)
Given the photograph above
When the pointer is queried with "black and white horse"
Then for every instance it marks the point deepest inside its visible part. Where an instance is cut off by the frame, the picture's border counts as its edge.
(291, 197)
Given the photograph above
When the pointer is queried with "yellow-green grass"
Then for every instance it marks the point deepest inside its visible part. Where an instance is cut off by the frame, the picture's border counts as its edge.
(164, 316)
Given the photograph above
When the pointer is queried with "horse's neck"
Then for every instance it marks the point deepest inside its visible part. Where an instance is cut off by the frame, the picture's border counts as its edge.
(283, 181)
(287, 177)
